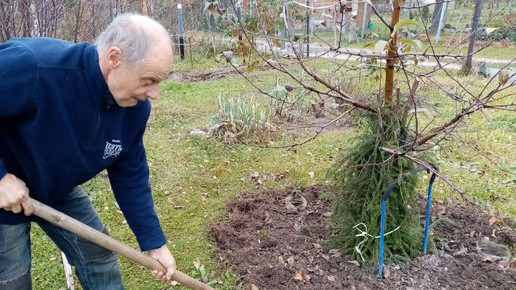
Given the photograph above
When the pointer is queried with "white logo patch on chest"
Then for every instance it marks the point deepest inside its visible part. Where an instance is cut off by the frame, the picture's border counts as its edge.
(113, 149)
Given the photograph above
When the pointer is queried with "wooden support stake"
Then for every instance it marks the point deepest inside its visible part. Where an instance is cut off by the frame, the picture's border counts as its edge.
(66, 222)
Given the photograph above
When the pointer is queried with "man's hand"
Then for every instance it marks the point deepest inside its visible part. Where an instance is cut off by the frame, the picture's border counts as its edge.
(14, 195)
(164, 256)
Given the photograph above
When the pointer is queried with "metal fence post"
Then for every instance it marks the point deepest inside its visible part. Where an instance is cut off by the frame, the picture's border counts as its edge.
(308, 29)
(443, 11)
(364, 19)
(181, 40)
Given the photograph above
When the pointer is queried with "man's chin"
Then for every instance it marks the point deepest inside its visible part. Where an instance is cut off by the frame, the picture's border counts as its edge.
(128, 103)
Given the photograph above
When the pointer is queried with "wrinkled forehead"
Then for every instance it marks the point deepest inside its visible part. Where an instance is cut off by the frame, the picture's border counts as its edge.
(158, 62)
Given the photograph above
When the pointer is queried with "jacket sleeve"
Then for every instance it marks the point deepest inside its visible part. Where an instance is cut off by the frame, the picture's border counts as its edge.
(129, 179)
(18, 73)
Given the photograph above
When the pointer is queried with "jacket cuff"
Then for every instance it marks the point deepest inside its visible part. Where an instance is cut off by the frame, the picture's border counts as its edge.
(151, 240)
(3, 170)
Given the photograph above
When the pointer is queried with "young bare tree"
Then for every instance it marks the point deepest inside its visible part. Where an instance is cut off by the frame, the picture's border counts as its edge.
(399, 130)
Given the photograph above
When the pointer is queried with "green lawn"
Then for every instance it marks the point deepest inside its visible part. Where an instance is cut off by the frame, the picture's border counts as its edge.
(194, 177)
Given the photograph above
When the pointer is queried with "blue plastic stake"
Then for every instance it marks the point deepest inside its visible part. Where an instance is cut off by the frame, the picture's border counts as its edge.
(428, 207)
(382, 231)
(391, 186)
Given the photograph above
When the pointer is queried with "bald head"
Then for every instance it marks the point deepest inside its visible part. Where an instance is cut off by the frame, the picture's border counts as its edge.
(134, 35)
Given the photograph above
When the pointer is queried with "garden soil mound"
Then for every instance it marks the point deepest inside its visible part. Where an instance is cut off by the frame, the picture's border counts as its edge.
(278, 240)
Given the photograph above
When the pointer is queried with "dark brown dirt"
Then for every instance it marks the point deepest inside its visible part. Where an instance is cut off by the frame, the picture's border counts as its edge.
(275, 247)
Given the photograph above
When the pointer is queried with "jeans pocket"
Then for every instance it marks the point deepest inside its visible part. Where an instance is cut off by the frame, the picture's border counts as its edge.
(11, 234)
(14, 251)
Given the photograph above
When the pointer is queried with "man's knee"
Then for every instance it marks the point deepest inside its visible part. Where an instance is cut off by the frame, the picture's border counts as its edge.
(22, 281)
(92, 252)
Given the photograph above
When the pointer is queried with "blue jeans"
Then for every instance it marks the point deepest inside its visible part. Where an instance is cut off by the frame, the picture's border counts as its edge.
(96, 267)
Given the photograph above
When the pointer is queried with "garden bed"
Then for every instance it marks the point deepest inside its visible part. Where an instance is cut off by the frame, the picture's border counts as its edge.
(274, 245)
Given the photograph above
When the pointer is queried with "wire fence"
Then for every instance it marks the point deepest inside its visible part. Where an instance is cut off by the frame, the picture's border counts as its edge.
(207, 31)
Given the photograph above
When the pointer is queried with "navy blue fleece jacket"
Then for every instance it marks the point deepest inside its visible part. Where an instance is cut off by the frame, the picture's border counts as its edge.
(60, 126)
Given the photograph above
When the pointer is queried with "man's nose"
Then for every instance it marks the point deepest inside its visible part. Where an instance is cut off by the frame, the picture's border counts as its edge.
(153, 92)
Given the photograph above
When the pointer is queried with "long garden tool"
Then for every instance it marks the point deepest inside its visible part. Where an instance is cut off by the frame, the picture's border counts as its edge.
(66, 222)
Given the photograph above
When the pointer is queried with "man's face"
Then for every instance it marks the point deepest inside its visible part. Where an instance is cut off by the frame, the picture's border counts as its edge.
(130, 84)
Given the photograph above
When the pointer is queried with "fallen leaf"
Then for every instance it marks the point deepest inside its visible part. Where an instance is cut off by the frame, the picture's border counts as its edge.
(437, 210)
(356, 263)
(197, 263)
(306, 278)
(290, 87)
(493, 218)
(53, 259)
(280, 260)
(299, 276)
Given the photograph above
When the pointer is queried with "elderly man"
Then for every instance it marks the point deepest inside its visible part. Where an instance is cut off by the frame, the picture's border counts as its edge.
(67, 112)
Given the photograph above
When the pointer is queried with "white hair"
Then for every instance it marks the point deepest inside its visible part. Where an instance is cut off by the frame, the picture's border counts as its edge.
(130, 33)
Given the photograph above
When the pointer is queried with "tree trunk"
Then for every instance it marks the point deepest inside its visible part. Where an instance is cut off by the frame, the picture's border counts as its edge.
(6, 15)
(150, 8)
(26, 18)
(474, 26)
(4, 33)
(145, 9)
(436, 17)
(391, 55)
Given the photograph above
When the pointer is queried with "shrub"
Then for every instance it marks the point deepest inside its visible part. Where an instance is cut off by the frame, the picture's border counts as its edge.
(425, 13)
(361, 176)
(240, 117)
(502, 33)
(511, 36)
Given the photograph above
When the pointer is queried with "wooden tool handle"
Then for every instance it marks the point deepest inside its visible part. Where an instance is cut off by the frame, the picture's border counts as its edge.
(66, 222)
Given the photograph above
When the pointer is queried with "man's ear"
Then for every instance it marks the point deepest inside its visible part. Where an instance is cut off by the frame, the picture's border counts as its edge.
(114, 56)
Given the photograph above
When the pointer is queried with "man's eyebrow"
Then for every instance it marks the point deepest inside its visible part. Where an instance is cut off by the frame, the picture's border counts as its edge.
(152, 78)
